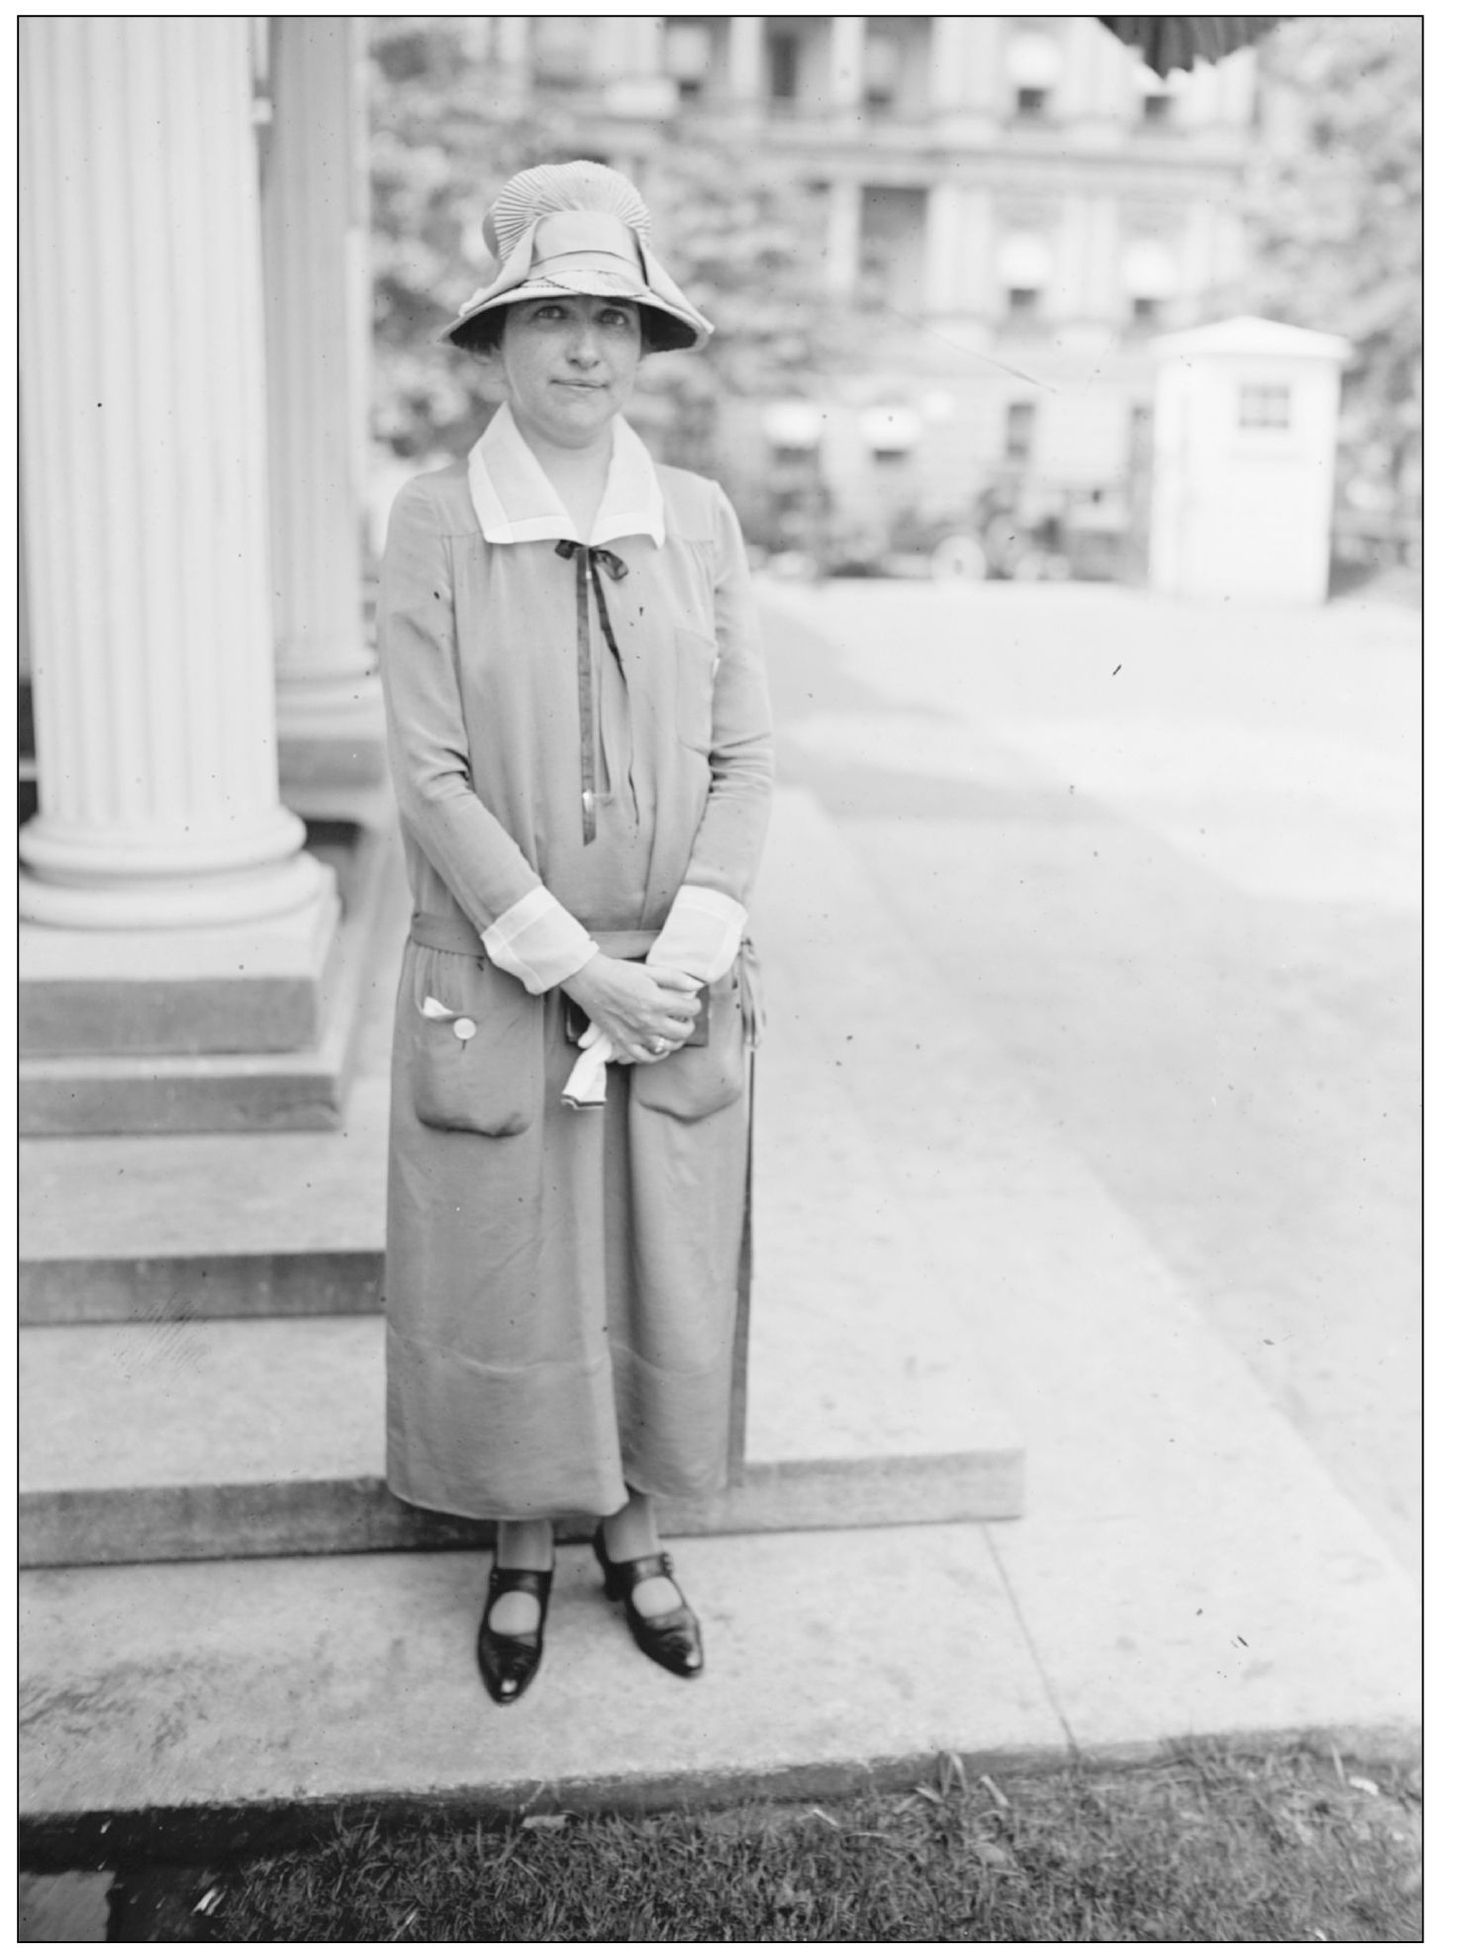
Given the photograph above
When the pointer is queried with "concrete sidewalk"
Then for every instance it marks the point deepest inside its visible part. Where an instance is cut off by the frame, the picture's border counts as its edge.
(1184, 1566)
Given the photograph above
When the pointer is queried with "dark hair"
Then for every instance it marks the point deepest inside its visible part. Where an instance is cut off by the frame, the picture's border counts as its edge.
(661, 333)
(483, 333)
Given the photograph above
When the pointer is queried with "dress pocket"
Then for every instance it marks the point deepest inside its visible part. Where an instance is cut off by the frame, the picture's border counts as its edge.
(700, 1079)
(473, 1044)
(698, 660)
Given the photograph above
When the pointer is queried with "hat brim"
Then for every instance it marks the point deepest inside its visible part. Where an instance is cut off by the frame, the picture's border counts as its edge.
(666, 328)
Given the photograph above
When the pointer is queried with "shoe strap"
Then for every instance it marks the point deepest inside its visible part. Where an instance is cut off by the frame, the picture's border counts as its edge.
(519, 1581)
(626, 1575)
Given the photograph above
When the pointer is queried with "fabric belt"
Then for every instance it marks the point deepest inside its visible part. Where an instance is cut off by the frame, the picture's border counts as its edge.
(454, 933)
(591, 562)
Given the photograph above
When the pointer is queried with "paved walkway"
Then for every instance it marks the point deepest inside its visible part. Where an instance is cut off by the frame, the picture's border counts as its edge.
(1169, 857)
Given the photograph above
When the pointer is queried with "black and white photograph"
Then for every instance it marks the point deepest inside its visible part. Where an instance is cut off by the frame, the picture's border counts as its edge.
(720, 978)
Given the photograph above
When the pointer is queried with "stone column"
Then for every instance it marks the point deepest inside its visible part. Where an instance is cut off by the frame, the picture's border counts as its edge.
(146, 482)
(847, 80)
(746, 60)
(316, 310)
(511, 81)
(843, 238)
(979, 242)
(1105, 299)
(947, 82)
(944, 261)
(1081, 91)
(983, 56)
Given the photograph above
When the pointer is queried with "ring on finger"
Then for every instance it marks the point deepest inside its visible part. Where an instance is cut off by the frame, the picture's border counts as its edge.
(658, 1046)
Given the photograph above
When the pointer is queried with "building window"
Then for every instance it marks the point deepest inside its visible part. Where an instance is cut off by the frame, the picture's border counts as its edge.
(891, 433)
(1025, 271)
(1034, 63)
(1158, 109)
(1265, 407)
(784, 69)
(1151, 279)
(883, 71)
(558, 50)
(1017, 437)
(892, 268)
(688, 52)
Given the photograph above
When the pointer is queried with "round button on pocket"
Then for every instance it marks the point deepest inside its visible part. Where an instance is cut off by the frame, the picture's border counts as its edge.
(464, 1028)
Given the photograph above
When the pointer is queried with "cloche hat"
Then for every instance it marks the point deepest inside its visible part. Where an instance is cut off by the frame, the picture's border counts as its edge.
(580, 227)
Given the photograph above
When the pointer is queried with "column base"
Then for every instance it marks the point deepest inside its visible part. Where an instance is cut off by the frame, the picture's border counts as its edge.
(155, 1044)
(223, 987)
(77, 880)
(331, 733)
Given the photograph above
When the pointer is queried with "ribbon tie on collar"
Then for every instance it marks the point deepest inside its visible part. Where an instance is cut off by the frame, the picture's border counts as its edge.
(592, 560)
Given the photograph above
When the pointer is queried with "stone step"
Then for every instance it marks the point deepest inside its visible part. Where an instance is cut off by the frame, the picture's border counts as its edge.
(215, 1225)
(868, 1398)
(176, 1440)
(126, 1093)
(189, 1709)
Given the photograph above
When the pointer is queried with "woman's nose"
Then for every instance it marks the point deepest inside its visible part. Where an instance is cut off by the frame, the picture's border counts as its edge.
(583, 350)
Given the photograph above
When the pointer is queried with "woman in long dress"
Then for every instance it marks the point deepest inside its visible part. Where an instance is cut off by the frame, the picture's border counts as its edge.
(580, 748)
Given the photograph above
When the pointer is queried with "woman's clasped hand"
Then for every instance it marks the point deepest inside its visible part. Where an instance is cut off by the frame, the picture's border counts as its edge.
(647, 1013)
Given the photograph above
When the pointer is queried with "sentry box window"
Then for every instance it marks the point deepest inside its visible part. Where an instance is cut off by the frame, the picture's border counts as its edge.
(1265, 407)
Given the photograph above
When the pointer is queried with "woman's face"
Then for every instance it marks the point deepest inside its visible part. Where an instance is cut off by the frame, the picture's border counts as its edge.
(567, 365)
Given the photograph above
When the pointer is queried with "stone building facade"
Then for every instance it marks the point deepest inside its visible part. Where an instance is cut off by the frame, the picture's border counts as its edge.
(1019, 201)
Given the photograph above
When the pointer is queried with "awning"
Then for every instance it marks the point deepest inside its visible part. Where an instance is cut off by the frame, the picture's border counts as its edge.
(1168, 41)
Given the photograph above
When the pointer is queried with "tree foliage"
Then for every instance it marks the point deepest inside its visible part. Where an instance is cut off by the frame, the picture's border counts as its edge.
(741, 241)
(1336, 215)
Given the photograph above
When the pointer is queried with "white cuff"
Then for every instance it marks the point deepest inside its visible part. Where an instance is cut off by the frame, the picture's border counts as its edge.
(702, 935)
(538, 941)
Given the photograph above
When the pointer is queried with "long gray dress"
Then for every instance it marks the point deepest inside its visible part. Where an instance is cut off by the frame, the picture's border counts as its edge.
(563, 1286)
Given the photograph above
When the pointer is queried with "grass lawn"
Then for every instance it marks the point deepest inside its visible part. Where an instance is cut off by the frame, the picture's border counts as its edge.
(1218, 1844)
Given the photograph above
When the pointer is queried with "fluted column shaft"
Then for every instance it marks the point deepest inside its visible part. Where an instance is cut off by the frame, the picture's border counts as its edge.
(316, 308)
(146, 481)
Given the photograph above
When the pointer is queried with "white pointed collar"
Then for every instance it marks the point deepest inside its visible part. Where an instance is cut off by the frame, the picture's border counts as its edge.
(515, 503)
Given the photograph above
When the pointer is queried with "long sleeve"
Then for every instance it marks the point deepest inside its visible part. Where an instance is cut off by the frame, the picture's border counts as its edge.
(731, 835)
(430, 760)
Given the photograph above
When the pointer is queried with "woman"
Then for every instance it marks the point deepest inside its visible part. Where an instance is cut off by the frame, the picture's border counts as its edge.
(580, 746)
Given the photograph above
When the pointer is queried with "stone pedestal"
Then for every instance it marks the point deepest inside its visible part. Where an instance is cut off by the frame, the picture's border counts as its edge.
(316, 298)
